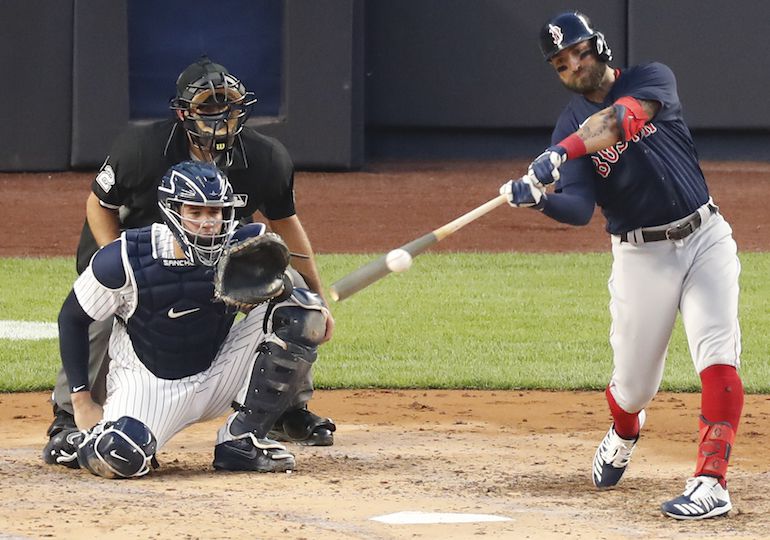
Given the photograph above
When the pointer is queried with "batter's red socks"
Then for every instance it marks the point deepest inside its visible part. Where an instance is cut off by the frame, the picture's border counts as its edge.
(721, 406)
(626, 424)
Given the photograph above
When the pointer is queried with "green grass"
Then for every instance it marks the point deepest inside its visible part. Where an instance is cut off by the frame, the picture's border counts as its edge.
(453, 321)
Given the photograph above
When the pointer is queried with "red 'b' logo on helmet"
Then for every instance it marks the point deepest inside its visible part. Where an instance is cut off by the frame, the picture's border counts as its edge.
(556, 34)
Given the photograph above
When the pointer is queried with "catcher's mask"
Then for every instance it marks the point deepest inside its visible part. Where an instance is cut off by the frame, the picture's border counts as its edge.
(198, 184)
(570, 28)
(214, 106)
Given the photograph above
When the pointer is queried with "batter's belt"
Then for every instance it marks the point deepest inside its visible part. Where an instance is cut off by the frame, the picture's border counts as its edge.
(678, 230)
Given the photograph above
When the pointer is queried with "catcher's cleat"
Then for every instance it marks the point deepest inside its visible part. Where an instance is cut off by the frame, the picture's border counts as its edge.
(62, 420)
(252, 454)
(62, 448)
(613, 455)
(703, 497)
(303, 427)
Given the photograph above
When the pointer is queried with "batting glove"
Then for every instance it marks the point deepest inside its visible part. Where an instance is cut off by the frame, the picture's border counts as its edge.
(524, 193)
(545, 169)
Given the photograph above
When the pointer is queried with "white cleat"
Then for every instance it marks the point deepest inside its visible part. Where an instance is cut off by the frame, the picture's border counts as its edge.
(613, 455)
(703, 497)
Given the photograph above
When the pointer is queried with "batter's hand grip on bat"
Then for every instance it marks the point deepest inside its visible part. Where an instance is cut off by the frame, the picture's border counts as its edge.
(377, 269)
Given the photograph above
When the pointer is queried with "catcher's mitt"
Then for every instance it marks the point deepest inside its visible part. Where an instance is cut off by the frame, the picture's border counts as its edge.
(251, 271)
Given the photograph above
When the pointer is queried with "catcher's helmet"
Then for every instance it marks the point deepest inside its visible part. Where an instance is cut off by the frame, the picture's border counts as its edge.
(570, 28)
(198, 184)
(214, 104)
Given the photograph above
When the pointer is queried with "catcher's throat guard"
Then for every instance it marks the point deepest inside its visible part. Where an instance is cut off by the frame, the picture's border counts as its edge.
(252, 271)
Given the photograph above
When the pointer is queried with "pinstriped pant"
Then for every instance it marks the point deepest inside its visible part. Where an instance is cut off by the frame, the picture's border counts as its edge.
(168, 406)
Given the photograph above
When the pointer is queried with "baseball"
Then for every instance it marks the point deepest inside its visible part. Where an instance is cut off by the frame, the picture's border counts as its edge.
(398, 260)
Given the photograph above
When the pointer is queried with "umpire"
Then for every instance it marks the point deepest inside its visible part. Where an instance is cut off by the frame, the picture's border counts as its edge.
(210, 109)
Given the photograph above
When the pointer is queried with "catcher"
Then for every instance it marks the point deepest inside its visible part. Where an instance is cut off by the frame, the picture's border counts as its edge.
(178, 358)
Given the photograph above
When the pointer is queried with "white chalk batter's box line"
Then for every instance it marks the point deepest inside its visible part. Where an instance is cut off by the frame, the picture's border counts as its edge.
(30, 330)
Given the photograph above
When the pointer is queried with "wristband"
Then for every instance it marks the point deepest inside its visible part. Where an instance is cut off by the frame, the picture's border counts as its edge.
(574, 146)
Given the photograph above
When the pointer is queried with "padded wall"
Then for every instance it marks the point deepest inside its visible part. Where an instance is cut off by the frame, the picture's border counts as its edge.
(718, 51)
(36, 40)
(469, 63)
(100, 79)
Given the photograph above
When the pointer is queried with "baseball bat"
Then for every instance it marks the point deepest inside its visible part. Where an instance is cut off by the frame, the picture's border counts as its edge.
(377, 269)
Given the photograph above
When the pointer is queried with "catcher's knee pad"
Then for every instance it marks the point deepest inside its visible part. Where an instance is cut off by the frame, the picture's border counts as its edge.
(301, 320)
(119, 449)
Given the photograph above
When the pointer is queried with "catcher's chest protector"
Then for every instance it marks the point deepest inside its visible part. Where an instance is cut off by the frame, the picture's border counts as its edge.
(176, 329)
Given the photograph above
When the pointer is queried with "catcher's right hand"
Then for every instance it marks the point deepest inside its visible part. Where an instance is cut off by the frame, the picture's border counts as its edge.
(252, 271)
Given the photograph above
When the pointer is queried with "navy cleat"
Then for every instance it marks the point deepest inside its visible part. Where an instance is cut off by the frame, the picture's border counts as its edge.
(62, 448)
(252, 454)
(703, 497)
(613, 455)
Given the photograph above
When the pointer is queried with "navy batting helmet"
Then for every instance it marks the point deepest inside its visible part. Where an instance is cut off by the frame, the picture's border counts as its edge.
(567, 29)
(198, 184)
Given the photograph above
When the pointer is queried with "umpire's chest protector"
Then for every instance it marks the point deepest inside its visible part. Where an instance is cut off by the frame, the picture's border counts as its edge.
(177, 328)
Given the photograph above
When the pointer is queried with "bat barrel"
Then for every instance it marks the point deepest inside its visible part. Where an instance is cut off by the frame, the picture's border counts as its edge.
(355, 281)
(377, 269)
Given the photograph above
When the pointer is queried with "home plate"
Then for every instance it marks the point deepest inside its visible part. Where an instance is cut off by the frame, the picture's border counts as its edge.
(413, 518)
(28, 330)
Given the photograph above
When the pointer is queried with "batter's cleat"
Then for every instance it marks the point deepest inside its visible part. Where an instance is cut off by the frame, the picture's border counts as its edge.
(62, 420)
(252, 454)
(703, 497)
(301, 426)
(613, 455)
(62, 448)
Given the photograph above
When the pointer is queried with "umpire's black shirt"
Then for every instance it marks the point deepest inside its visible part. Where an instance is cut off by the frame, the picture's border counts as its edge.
(128, 180)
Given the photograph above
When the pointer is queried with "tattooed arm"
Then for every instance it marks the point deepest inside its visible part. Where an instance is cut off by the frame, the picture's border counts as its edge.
(614, 124)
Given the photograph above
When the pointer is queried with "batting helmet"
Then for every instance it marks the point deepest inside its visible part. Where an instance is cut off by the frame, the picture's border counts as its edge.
(567, 29)
(214, 104)
(198, 184)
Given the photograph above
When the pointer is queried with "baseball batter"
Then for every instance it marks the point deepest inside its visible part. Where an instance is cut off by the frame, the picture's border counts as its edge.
(210, 109)
(622, 144)
(177, 358)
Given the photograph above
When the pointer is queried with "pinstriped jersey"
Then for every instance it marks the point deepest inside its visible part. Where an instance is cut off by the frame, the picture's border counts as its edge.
(650, 180)
(165, 317)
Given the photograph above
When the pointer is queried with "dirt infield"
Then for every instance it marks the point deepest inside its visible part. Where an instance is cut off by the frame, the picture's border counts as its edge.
(520, 455)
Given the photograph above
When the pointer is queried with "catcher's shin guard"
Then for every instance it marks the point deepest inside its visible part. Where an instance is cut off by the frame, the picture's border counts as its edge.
(281, 368)
(716, 442)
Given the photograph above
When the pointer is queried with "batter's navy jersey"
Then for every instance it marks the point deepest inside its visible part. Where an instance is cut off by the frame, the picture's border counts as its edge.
(128, 180)
(652, 179)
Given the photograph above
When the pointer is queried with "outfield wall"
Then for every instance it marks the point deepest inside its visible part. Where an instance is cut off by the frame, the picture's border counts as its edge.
(375, 78)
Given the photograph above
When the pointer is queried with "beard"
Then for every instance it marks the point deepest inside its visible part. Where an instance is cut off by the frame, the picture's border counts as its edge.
(590, 79)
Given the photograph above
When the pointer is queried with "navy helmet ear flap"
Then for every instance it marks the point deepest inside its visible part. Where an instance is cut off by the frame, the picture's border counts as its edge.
(603, 50)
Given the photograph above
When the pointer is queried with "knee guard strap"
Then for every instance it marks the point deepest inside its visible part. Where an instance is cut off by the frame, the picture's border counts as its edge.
(716, 442)
(120, 449)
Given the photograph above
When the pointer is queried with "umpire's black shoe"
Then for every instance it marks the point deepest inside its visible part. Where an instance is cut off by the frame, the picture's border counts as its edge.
(252, 454)
(62, 420)
(303, 427)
